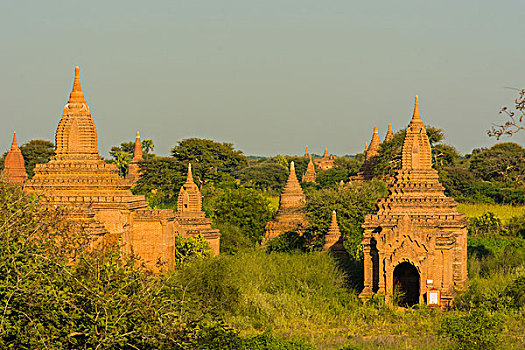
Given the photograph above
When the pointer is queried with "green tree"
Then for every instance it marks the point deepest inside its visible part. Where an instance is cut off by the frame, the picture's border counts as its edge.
(503, 162)
(263, 176)
(242, 207)
(161, 180)
(445, 156)
(207, 157)
(351, 206)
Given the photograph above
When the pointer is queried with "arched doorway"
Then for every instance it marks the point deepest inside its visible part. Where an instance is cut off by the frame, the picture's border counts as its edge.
(406, 284)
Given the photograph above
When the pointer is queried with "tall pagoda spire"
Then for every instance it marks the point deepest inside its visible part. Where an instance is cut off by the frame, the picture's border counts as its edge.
(190, 199)
(416, 153)
(326, 154)
(306, 153)
(76, 135)
(14, 169)
(137, 152)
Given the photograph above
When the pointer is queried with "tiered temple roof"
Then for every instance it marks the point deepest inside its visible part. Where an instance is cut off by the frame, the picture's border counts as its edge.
(79, 179)
(289, 216)
(14, 168)
(309, 175)
(416, 223)
(190, 220)
(333, 240)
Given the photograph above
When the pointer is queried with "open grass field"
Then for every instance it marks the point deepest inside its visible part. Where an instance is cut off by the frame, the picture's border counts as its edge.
(502, 211)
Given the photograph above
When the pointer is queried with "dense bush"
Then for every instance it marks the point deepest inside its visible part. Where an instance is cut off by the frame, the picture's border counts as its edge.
(476, 330)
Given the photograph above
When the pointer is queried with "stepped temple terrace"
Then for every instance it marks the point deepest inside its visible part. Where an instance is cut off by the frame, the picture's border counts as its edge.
(78, 178)
(416, 243)
(289, 217)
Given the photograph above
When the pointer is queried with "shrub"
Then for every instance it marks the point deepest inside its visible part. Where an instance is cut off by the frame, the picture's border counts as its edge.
(476, 330)
(186, 249)
(516, 292)
(486, 225)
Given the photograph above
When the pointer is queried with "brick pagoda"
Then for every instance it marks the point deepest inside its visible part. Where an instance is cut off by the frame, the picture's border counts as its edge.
(190, 220)
(389, 134)
(309, 175)
(333, 240)
(417, 240)
(371, 151)
(290, 216)
(14, 168)
(133, 168)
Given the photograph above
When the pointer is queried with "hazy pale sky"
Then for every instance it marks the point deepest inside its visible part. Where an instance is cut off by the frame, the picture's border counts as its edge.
(269, 76)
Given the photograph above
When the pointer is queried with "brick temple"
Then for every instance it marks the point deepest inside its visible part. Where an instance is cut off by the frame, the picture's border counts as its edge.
(417, 240)
(309, 175)
(289, 216)
(371, 151)
(333, 240)
(77, 177)
(326, 161)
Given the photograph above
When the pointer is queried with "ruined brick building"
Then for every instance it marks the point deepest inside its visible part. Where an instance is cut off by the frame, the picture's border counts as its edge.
(77, 177)
(417, 240)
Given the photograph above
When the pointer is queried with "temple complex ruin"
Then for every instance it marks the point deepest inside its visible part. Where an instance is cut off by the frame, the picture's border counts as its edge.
(289, 216)
(77, 177)
(14, 168)
(326, 162)
(416, 243)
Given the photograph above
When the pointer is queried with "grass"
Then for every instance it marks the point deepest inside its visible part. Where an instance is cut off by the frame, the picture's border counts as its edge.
(306, 297)
(502, 211)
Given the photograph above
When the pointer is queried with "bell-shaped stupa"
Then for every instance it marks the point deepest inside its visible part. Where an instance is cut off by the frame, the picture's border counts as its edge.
(14, 165)
(289, 216)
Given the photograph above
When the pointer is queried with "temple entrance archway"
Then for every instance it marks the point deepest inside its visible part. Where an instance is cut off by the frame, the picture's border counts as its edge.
(406, 284)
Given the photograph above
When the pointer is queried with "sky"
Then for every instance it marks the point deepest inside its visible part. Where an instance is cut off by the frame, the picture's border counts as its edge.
(268, 76)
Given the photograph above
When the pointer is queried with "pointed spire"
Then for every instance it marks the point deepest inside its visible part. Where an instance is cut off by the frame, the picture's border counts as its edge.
(416, 118)
(366, 147)
(389, 134)
(14, 144)
(76, 95)
(137, 152)
(326, 154)
(306, 153)
(373, 149)
(189, 179)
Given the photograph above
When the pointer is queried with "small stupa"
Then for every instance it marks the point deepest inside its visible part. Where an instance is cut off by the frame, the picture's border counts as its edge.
(133, 168)
(306, 153)
(371, 151)
(417, 240)
(289, 216)
(309, 175)
(389, 134)
(190, 220)
(14, 166)
(333, 240)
